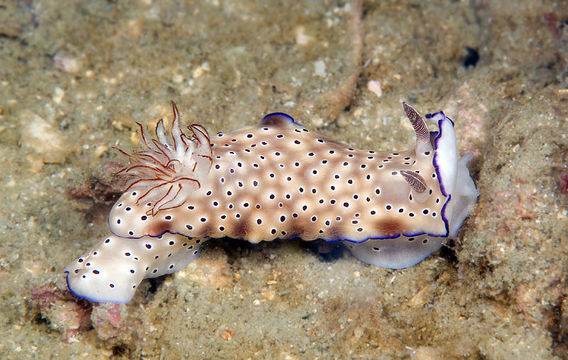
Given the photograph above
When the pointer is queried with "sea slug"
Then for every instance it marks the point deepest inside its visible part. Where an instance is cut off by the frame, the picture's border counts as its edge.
(276, 180)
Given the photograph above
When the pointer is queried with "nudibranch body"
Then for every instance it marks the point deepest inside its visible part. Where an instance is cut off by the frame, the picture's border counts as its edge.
(276, 180)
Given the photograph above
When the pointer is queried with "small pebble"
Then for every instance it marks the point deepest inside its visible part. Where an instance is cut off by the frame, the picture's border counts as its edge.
(67, 62)
(41, 137)
(302, 38)
(374, 86)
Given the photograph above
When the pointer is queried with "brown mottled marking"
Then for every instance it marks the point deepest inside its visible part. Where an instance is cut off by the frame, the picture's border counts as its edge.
(205, 231)
(241, 229)
(389, 227)
(335, 233)
(295, 229)
(158, 228)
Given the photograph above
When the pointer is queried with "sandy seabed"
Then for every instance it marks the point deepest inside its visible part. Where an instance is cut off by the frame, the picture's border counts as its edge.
(76, 76)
